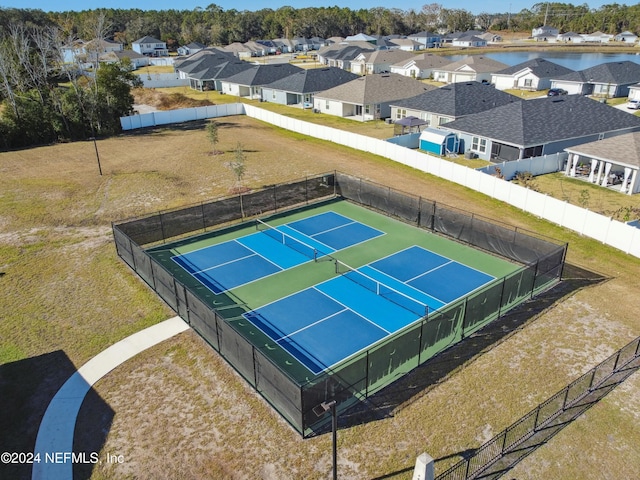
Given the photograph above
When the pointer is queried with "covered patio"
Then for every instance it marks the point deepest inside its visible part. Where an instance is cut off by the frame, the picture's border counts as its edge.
(611, 162)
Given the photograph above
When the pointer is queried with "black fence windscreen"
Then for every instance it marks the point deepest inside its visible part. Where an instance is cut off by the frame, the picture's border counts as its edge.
(541, 262)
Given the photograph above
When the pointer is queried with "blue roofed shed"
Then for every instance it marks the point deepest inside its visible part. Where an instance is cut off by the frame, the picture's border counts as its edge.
(438, 141)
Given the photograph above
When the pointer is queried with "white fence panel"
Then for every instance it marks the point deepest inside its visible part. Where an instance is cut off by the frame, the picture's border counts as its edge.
(518, 196)
(574, 218)
(554, 210)
(620, 235)
(597, 226)
(535, 202)
(502, 190)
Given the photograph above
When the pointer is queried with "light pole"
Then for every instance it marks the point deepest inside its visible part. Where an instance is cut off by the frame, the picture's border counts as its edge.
(319, 410)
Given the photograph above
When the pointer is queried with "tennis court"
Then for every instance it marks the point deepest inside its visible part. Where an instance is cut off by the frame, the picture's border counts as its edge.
(333, 319)
(271, 250)
(324, 325)
(339, 288)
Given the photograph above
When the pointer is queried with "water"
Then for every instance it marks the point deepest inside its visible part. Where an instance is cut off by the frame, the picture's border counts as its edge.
(574, 61)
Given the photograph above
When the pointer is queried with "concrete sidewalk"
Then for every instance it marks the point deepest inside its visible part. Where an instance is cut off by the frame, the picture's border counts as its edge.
(54, 442)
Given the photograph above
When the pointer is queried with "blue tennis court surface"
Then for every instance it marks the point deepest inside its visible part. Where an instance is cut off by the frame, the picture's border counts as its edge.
(230, 264)
(326, 324)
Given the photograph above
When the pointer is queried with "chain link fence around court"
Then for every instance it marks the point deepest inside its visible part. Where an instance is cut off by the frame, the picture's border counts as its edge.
(356, 379)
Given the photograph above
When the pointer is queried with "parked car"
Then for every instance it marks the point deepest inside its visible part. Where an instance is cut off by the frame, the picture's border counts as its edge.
(633, 104)
(554, 92)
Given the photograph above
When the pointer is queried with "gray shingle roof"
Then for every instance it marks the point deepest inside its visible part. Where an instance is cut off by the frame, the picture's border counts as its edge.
(377, 88)
(623, 149)
(458, 99)
(313, 80)
(616, 73)
(263, 74)
(540, 67)
(543, 120)
(477, 63)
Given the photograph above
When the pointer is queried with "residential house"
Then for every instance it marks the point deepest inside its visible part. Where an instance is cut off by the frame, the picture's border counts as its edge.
(270, 46)
(248, 83)
(427, 39)
(136, 60)
(471, 68)
(597, 37)
(205, 68)
(378, 61)
(257, 49)
(469, 41)
(534, 74)
(81, 51)
(570, 37)
(491, 37)
(611, 162)
(405, 44)
(284, 45)
(634, 92)
(191, 48)
(420, 66)
(342, 55)
(152, 47)
(369, 97)
(545, 33)
(450, 102)
(361, 37)
(299, 88)
(540, 126)
(240, 50)
(452, 37)
(627, 37)
(611, 79)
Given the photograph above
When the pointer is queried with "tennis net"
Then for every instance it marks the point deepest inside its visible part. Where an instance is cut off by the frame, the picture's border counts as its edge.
(393, 295)
(287, 240)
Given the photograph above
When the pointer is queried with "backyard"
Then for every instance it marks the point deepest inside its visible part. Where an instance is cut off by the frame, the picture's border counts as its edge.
(179, 411)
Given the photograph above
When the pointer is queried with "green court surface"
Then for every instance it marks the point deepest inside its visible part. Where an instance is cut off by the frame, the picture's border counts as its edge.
(232, 304)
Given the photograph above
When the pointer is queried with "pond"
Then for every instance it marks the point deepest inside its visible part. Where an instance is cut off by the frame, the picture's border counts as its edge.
(574, 61)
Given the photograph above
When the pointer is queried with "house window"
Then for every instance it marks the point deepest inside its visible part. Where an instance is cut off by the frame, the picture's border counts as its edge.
(326, 104)
(528, 82)
(426, 117)
(401, 113)
(479, 144)
(443, 120)
(367, 109)
(273, 94)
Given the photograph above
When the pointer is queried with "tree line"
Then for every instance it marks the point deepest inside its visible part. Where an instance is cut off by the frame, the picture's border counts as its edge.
(215, 26)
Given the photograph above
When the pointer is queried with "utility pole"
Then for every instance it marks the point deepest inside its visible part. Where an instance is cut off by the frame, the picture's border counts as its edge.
(546, 14)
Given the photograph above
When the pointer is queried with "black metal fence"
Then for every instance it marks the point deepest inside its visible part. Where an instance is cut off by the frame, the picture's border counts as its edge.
(542, 262)
(541, 417)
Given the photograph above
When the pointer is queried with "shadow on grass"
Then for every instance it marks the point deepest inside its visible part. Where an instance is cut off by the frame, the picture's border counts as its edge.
(26, 388)
(421, 380)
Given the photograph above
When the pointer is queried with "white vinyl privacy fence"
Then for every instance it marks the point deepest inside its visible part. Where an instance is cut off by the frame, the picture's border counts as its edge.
(604, 229)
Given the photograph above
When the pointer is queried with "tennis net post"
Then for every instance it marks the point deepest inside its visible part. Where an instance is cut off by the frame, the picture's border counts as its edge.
(287, 240)
(381, 289)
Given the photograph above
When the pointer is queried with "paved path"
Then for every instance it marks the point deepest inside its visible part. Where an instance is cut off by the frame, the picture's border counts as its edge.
(55, 435)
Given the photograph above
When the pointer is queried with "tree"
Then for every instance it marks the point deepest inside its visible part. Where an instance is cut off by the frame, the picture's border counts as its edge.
(239, 168)
(212, 134)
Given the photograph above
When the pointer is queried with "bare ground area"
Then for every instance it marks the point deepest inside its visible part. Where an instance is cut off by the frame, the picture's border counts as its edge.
(178, 411)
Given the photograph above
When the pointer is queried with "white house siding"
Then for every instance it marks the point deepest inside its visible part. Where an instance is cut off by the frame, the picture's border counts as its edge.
(503, 82)
(634, 93)
(572, 88)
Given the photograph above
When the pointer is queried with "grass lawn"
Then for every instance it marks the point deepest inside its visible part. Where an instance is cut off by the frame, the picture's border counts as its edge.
(179, 411)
